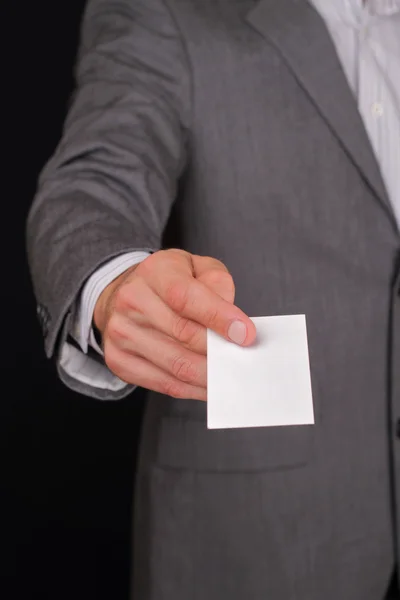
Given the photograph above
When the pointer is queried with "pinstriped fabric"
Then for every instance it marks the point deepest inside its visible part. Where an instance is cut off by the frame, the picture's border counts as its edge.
(367, 39)
(384, 7)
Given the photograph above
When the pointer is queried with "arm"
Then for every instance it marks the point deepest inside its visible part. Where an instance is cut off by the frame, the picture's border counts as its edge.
(109, 187)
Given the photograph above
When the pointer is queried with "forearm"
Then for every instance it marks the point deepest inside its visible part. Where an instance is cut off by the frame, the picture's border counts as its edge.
(110, 185)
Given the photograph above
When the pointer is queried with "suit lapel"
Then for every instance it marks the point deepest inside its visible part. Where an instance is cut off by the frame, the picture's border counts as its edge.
(299, 34)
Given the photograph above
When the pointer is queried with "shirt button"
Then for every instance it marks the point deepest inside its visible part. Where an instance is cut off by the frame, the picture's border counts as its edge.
(377, 109)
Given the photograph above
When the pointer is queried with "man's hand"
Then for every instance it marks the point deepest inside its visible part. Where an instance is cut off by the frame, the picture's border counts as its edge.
(153, 320)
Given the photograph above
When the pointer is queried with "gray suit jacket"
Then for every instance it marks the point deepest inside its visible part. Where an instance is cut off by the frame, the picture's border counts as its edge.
(233, 120)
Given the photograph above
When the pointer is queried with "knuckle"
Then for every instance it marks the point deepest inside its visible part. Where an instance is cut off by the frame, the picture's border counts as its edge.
(183, 369)
(219, 264)
(177, 254)
(115, 363)
(176, 296)
(123, 298)
(111, 360)
(211, 317)
(112, 328)
(172, 388)
(183, 329)
(115, 329)
(149, 264)
(219, 277)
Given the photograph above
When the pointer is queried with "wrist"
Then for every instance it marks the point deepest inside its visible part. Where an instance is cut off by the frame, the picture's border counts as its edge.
(99, 312)
(103, 301)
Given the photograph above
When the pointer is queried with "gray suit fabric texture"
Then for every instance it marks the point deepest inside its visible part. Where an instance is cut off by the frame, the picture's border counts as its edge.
(233, 120)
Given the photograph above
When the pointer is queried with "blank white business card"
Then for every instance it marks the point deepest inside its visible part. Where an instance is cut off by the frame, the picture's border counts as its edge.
(267, 384)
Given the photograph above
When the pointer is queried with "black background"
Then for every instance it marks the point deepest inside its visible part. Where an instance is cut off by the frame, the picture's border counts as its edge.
(67, 461)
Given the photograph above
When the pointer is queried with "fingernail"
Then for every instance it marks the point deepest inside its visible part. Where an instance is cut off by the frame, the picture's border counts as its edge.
(237, 332)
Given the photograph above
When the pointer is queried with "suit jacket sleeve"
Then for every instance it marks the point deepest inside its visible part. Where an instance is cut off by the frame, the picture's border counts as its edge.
(110, 185)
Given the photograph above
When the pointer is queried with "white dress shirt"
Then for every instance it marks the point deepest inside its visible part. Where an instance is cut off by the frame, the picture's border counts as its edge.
(366, 34)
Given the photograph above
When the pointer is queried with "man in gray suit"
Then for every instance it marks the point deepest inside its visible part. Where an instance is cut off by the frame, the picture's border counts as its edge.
(266, 134)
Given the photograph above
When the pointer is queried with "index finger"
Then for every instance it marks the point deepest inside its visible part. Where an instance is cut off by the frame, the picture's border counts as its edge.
(193, 300)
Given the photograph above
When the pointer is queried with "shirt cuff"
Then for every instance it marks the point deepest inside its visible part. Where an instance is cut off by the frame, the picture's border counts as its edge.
(77, 364)
(82, 328)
